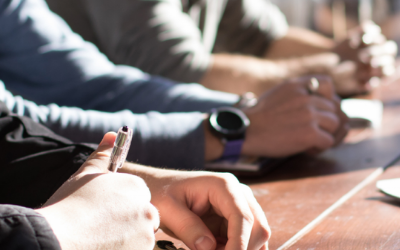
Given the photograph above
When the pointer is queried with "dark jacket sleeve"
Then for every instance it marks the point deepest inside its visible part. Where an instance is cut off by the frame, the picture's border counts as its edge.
(23, 228)
(34, 162)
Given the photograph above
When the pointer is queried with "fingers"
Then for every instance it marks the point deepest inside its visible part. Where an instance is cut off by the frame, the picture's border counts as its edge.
(377, 61)
(351, 78)
(236, 210)
(187, 226)
(261, 231)
(387, 48)
(331, 122)
(98, 161)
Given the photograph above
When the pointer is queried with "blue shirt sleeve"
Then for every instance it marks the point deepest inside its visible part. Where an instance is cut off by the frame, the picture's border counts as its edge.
(42, 60)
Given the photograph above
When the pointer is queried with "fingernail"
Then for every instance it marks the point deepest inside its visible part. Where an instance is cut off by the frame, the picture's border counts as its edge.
(204, 243)
(104, 143)
(108, 139)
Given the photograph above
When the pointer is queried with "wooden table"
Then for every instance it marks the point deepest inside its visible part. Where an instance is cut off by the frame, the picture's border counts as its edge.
(330, 201)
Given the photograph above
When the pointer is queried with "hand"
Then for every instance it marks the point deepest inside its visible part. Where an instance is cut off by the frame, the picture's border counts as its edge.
(372, 54)
(206, 210)
(288, 120)
(100, 210)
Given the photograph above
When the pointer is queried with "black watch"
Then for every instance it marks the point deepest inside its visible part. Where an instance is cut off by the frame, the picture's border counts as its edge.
(229, 124)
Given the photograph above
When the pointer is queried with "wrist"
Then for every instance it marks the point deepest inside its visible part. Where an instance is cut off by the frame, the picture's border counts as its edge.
(214, 147)
(228, 125)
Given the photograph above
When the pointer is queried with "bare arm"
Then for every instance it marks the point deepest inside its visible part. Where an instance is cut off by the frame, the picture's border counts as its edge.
(240, 73)
(299, 42)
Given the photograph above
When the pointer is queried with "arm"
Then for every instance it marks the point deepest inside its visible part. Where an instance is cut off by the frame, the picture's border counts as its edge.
(57, 66)
(241, 73)
(299, 42)
(155, 36)
(174, 140)
(364, 54)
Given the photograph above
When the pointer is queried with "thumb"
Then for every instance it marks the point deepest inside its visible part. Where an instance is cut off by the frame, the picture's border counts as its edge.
(98, 161)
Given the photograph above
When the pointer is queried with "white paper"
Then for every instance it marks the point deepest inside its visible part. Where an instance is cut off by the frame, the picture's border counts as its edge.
(390, 187)
(370, 110)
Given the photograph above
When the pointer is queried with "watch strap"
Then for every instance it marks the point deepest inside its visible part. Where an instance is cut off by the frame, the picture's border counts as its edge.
(232, 150)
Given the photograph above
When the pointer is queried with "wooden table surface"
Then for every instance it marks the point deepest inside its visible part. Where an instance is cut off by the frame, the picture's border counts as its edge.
(330, 201)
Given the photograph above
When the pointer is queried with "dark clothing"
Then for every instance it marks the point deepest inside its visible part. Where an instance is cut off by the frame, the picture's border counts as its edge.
(34, 163)
(23, 228)
(51, 75)
(174, 38)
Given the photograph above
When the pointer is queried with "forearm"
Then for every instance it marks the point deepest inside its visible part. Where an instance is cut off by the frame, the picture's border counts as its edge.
(240, 73)
(174, 140)
(299, 42)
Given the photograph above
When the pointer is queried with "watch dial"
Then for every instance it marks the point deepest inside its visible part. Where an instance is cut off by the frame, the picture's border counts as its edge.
(230, 121)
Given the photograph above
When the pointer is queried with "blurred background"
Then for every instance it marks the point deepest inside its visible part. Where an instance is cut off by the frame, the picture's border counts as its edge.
(334, 17)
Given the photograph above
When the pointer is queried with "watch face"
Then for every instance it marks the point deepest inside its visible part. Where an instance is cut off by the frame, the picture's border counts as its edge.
(229, 123)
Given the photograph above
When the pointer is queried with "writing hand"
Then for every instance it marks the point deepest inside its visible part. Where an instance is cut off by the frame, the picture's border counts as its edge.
(96, 209)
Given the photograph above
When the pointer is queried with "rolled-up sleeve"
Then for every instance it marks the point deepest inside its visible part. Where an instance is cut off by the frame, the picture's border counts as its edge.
(155, 36)
(69, 86)
(173, 140)
(249, 27)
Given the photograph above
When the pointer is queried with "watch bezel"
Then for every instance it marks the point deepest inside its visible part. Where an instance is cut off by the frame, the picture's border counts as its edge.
(227, 133)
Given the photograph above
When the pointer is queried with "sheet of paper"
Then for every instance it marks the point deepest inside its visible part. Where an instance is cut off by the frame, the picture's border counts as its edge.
(370, 110)
(390, 187)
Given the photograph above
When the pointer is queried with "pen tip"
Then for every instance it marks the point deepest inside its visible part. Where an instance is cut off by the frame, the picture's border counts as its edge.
(125, 128)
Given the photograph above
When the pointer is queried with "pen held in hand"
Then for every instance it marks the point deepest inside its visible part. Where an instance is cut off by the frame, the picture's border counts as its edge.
(120, 149)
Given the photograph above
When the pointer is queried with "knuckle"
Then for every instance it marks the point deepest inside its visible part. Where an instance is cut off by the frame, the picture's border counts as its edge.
(335, 122)
(304, 100)
(311, 132)
(289, 86)
(308, 114)
(246, 189)
(265, 232)
(99, 155)
(138, 183)
(151, 214)
(228, 178)
(248, 217)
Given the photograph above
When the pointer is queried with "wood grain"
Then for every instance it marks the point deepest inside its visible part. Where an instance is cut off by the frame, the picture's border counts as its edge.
(370, 220)
(299, 190)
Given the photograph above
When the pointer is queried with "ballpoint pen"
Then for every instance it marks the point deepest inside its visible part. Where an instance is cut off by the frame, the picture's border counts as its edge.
(120, 149)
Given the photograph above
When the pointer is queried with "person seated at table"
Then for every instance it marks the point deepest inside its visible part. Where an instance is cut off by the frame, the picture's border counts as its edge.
(229, 45)
(385, 13)
(74, 90)
(95, 209)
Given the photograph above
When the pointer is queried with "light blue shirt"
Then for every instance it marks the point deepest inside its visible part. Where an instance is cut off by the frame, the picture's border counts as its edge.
(66, 79)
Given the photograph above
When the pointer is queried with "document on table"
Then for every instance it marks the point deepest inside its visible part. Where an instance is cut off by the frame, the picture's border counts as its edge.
(366, 110)
(390, 187)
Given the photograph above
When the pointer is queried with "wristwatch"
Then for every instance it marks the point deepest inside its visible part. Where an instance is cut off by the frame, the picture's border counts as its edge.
(229, 124)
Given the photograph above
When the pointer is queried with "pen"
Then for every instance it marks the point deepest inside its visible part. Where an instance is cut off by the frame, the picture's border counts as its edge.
(120, 149)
